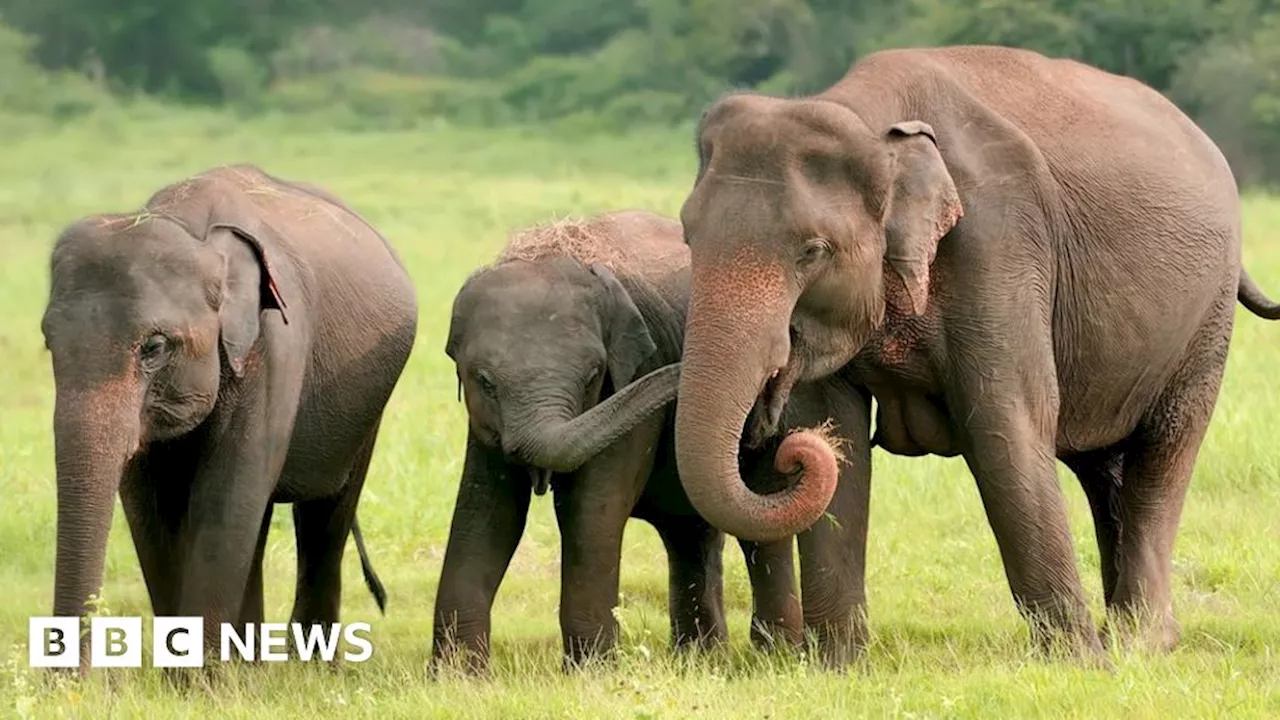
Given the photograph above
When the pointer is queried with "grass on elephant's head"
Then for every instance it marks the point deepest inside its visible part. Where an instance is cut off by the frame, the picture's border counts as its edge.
(947, 640)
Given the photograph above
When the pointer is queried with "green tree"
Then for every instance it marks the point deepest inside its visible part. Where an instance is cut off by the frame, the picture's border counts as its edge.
(158, 46)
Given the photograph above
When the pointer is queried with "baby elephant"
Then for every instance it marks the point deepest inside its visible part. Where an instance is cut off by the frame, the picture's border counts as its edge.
(230, 346)
(547, 342)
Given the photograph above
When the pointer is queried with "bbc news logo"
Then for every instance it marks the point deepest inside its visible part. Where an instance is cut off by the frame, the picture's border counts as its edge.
(178, 642)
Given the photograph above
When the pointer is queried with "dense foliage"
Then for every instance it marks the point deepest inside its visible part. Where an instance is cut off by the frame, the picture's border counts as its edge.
(615, 63)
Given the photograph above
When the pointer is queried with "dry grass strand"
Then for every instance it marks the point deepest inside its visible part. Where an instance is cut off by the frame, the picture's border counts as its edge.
(580, 239)
(827, 432)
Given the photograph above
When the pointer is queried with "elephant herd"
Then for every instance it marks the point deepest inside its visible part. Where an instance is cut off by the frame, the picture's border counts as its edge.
(1021, 259)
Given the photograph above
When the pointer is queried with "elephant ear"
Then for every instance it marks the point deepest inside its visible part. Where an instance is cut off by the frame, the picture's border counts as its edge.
(627, 340)
(249, 280)
(923, 205)
(462, 306)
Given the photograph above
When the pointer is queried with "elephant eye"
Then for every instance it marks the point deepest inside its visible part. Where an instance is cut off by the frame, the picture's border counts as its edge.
(153, 351)
(486, 382)
(814, 250)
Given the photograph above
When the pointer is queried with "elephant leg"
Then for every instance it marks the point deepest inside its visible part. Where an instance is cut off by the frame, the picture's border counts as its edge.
(695, 595)
(251, 607)
(592, 510)
(1159, 460)
(776, 619)
(833, 552)
(1101, 474)
(229, 498)
(322, 527)
(243, 448)
(155, 505)
(488, 520)
(1010, 451)
(218, 568)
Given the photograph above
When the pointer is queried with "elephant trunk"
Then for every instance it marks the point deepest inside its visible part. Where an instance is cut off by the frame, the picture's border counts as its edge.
(94, 437)
(565, 444)
(737, 343)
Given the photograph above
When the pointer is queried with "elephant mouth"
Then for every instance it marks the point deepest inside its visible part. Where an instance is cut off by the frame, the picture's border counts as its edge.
(540, 479)
(772, 400)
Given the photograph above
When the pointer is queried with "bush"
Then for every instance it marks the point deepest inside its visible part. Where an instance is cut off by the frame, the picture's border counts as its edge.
(371, 97)
(28, 89)
(240, 77)
(646, 107)
(547, 88)
(378, 42)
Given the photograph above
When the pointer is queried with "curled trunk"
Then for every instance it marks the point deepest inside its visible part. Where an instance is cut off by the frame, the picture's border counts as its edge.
(726, 365)
(564, 446)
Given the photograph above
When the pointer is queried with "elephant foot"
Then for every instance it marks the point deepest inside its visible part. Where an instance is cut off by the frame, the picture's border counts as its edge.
(700, 637)
(1069, 637)
(1075, 650)
(459, 657)
(1132, 630)
(186, 680)
(775, 635)
(581, 651)
(840, 643)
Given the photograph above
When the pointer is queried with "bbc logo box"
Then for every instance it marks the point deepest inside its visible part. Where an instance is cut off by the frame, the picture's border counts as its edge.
(179, 642)
(53, 642)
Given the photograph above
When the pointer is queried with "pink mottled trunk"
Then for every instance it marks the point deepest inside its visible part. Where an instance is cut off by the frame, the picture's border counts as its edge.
(94, 435)
(736, 338)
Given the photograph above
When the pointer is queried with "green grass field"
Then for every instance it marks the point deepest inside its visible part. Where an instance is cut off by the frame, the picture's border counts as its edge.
(947, 639)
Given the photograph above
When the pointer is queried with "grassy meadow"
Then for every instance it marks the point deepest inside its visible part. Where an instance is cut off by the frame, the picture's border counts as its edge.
(947, 639)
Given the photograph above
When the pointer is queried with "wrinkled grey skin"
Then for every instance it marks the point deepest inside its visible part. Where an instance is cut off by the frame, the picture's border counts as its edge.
(541, 347)
(230, 346)
(1021, 259)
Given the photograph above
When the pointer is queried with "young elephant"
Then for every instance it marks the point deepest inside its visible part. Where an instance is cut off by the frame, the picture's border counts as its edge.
(543, 340)
(231, 345)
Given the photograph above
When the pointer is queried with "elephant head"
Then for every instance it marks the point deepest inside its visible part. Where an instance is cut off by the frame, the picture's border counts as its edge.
(150, 316)
(798, 211)
(537, 344)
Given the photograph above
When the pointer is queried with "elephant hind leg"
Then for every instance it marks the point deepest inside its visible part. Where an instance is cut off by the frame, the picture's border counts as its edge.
(776, 619)
(1157, 472)
(322, 527)
(1101, 474)
(695, 596)
(1158, 462)
(251, 608)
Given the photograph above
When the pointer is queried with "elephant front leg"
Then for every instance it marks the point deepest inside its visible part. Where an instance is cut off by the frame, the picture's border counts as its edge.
(592, 509)
(242, 453)
(833, 574)
(229, 503)
(154, 496)
(1010, 451)
(833, 552)
(488, 520)
(591, 523)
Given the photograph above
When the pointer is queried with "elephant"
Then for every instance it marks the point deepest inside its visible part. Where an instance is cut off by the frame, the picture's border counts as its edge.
(230, 346)
(547, 342)
(1021, 259)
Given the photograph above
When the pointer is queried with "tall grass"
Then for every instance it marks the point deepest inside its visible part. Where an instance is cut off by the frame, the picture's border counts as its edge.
(947, 638)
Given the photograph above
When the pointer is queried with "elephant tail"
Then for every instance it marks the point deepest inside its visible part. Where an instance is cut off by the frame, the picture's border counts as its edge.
(1251, 296)
(370, 577)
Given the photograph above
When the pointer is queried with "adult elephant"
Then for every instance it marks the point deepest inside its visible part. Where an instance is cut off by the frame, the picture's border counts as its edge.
(1021, 258)
(230, 346)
